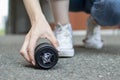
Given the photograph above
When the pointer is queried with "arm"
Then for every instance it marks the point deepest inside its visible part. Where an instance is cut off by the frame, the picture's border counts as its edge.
(39, 29)
(34, 10)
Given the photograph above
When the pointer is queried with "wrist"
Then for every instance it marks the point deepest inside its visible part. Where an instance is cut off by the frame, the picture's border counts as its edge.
(37, 18)
(40, 21)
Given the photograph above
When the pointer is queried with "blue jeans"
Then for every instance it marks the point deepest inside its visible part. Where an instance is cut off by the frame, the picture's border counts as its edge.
(105, 12)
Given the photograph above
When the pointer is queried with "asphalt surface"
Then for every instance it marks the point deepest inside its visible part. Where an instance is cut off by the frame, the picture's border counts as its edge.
(87, 64)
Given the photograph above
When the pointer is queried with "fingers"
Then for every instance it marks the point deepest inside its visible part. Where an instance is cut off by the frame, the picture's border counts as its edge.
(31, 47)
(25, 55)
(23, 50)
(27, 50)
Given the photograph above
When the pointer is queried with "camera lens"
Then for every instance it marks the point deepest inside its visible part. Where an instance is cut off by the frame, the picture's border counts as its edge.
(46, 56)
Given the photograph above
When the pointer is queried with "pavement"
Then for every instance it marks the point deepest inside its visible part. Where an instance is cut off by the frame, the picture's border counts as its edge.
(87, 64)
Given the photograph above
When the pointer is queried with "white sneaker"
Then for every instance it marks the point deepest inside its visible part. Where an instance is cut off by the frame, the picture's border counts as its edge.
(63, 34)
(93, 36)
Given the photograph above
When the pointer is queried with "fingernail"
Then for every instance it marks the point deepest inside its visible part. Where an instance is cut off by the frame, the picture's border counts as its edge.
(33, 63)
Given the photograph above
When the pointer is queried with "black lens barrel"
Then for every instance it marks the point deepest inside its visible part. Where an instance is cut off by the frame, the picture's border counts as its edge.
(46, 56)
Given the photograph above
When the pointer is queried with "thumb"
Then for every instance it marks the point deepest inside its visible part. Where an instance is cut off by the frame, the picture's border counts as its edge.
(53, 40)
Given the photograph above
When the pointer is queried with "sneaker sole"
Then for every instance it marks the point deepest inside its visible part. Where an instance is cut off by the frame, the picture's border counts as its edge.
(94, 46)
(67, 53)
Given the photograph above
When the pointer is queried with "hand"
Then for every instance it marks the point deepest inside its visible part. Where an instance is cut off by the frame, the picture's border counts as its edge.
(38, 30)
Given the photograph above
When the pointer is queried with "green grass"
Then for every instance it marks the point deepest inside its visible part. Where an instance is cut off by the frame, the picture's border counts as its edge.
(2, 32)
